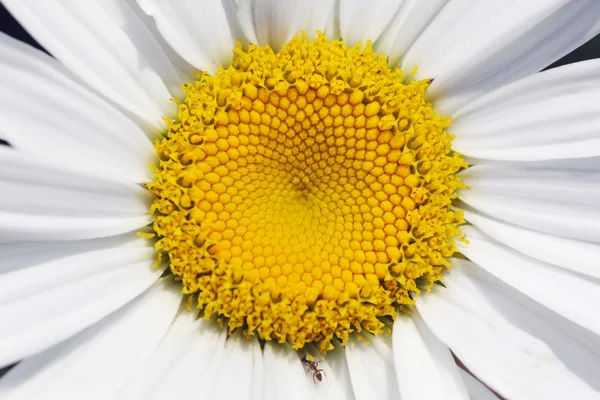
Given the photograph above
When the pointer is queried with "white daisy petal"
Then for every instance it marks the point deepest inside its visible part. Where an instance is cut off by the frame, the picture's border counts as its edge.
(363, 20)
(46, 114)
(477, 390)
(94, 364)
(47, 303)
(201, 32)
(451, 28)
(324, 17)
(473, 47)
(184, 365)
(337, 364)
(546, 199)
(24, 227)
(44, 201)
(335, 384)
(274, 23)
(509, 360)
(576, 164)
(576, 347)
(410, 21)
(570, 254)
(245, 15)
(525, 274)
(16, 255)
(178, 340)
(258, 371)
(424, 366)
(550, 115)
(40, 188)
(283, 375)
(242, 361)
(185, 71)
(107, 45)
(142, 32)
(371, 367)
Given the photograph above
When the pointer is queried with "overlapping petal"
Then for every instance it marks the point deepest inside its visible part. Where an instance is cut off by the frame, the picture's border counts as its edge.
(576, 255)
(477, 390)
(409, 22)
(16, 255)
(371, 367)
(551, 115)
(424, 366)
(183, 365)
(552, 199)
(49, 202)
(567, 293)
(203, 33)
(45, 114)
(274, 23)
(577, 348)
(335, 381)
(44, 304)
(474, 318)
(135, 71)
(362, 20)
(97, 362)
(243, 360)
(283, 374)
(473, 47)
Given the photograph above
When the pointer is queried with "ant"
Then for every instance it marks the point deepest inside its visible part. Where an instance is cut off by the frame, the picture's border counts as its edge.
(313, 365)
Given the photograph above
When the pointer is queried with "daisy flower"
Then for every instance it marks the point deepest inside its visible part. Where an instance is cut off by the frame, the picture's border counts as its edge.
(263, 199)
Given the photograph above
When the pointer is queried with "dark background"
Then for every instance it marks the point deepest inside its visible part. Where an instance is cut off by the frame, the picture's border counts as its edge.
(11, 27)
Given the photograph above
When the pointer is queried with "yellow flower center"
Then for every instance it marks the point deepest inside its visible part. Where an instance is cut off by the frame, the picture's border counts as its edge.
(303, 195)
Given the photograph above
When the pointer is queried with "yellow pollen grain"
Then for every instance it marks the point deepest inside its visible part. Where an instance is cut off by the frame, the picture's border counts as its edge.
(302, 195)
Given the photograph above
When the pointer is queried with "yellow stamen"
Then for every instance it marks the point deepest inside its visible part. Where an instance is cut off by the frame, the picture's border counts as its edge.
(304, 194)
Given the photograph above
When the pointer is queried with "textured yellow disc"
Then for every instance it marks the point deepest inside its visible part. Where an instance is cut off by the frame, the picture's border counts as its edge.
(303, 195)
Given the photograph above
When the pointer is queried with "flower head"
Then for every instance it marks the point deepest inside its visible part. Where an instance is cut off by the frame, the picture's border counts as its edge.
(336, 199)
